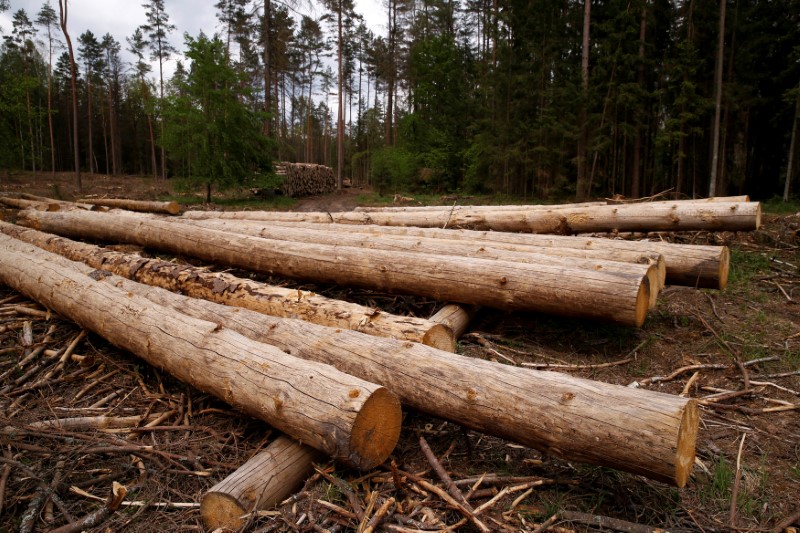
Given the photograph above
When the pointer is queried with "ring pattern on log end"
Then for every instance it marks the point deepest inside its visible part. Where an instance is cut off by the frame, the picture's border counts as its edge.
(687, 439)
(376, 430)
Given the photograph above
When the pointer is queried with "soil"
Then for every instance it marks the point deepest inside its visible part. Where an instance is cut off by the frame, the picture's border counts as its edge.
(201, 440)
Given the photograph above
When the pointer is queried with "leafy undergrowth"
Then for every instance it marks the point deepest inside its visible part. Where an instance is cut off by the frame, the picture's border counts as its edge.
(698, 342)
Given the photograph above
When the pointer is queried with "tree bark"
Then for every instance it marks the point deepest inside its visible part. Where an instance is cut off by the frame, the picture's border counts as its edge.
(456, 317)
(63, 14)
(19, 203)
(612, 297)
(712, 186)
(241, 292)
(169, 208)
(264, 481)
(692, 265)
(792, 148)
(350, 419)
(649, 269)
(562, 415)
(650, 216)
(569, 417)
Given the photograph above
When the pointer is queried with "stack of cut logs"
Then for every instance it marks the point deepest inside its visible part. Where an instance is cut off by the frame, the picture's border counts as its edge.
(304, 179)
(333, 374)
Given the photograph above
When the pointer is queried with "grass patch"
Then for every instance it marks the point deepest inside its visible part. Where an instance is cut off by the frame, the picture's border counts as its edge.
(776, 206)
(746, 265)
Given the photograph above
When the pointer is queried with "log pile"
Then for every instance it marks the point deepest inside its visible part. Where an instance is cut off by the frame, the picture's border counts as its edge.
(565, 416)
(350, 419)
(305, 179)
(601, 292)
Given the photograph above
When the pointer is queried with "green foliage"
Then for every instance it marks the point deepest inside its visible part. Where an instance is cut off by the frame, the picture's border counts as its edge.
(745, 265)
(209, 131)
(776, 206)
(392, 169)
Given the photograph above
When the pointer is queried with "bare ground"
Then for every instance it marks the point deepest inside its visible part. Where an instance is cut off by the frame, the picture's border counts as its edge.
(697, 342)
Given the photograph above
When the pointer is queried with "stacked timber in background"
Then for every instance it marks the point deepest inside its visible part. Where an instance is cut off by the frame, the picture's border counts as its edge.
(305, 179)
(641, 217)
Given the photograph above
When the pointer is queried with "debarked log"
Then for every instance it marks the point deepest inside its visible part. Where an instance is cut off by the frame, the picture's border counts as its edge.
(167, 208)
(609, 296)
(650, 216)
(241, 292)
(346, 417)
(570, 417)
(262, 482)
(652, 267)
(686, 264)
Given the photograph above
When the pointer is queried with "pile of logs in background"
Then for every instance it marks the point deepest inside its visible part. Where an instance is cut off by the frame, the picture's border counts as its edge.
(305, 179)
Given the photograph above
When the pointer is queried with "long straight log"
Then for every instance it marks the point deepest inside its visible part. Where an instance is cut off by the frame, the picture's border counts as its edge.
(653, 268)
(432, 208)
(19, 203)
(514, 286)
(265, 480)
(63, 204)
(559, 414)
(241, 292)
(652, 216)
(167, 208)
(686, 264)
(348, 418)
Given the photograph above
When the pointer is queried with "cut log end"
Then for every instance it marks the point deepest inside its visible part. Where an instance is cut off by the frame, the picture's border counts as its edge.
(687, 438)
(173, 208)
(758, 215)
(724, 267)
(222, 511)
(376, 430)
(440, 337)
(642, 302)
(653, 278)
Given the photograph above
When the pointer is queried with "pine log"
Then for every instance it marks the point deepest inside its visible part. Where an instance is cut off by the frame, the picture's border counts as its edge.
(510, 207)
(269, 477)
(581, 293)
(654, 270)
(456, 317)
(19, 203)
(241, 292)
(559, 414)
(518, 207)
(686, 264)
(167, 208)
(63, 204)
(348, 418)
(652, 216)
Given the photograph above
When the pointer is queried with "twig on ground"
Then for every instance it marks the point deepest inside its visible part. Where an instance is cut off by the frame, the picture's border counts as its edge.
(736, 483)
(607, 522)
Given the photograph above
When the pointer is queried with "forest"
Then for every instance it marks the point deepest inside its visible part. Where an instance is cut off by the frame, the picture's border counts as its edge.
(534, 99)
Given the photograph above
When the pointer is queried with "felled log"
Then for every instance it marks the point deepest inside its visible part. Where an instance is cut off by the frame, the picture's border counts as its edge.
(265, 480)
(562, 415)
(456, 317)
(167, 208)
(651, 216)
(19, 203)
(686, 264)
(653, 267)
(241, 292)
(348, 418)
(63, 204)
(615, 297)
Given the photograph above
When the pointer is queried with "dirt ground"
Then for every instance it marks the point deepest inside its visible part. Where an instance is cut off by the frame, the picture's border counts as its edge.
(737, 350)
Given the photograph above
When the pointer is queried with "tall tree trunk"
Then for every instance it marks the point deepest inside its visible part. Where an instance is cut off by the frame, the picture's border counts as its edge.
(63, 13)
(792, 148)
(265, 34)
(89, 128)
(583, 139)
(308, 114)
(636, 172)
(104, 123)
(112, 131)
(50, 113)
(30, 131)
(152, 147)
(712, 187)
(340, 118)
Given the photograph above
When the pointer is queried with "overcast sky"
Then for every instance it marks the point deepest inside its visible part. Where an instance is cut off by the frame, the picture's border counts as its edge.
(121, 17)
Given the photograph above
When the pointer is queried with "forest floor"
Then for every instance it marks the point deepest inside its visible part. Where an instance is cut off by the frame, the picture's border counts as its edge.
(690, 344)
